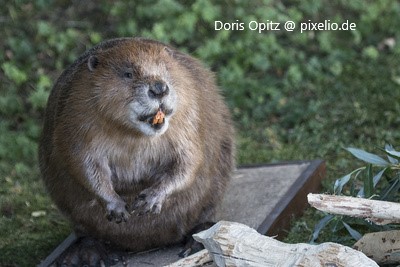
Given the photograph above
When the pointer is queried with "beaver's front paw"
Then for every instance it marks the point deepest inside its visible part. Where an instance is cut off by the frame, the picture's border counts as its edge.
(148, 201)
(117, 211)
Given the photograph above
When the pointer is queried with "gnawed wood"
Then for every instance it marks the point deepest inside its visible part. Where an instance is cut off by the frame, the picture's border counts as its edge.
(199, 259)
(234, 244)
(379, 212)
(382, 247)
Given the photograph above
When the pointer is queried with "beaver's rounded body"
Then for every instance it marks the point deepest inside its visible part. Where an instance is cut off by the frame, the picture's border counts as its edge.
(116, 175)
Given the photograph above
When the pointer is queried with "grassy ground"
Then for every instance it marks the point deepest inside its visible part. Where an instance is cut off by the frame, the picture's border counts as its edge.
(345, 98)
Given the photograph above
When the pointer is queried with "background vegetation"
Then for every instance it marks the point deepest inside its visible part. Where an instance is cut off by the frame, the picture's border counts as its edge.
(293, 95)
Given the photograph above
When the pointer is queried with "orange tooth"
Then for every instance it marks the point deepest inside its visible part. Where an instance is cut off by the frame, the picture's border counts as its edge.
(159, 117)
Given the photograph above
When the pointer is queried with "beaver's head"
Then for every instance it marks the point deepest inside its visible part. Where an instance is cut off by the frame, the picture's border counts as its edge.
(132, 83)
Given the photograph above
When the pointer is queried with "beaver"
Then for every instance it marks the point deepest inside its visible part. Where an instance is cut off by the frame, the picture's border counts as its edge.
(137, 145)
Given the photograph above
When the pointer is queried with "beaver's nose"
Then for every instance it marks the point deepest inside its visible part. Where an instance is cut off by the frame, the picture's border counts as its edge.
(158, 90)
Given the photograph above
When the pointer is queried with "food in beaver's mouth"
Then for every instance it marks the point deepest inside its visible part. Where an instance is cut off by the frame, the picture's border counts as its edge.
(159, 117)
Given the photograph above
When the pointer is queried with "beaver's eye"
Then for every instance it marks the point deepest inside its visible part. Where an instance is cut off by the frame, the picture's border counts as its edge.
(128, 75)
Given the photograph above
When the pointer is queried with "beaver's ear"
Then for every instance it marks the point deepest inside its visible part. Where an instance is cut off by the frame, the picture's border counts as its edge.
(169, 51)
(93, 62)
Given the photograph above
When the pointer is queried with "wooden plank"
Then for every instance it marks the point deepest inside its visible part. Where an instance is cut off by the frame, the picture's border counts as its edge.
(264, 197)
(294, 201)
(58, 250)
(257, 191)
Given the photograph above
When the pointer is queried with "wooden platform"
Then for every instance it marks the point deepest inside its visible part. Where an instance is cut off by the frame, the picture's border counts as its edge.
(265, 197)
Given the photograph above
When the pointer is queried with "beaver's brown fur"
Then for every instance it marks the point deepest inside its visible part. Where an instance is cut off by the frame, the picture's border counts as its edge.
(104, 162)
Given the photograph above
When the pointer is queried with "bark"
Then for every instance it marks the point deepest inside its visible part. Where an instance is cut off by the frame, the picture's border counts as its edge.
(382, 247)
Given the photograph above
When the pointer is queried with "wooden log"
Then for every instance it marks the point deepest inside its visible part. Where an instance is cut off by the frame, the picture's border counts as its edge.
(379, 212)
(201, 258)
(234, 244)
(382, 247)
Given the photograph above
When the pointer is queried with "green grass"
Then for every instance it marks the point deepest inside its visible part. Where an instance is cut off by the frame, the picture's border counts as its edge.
(358, 108)
(293, 96)
(25, 238)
